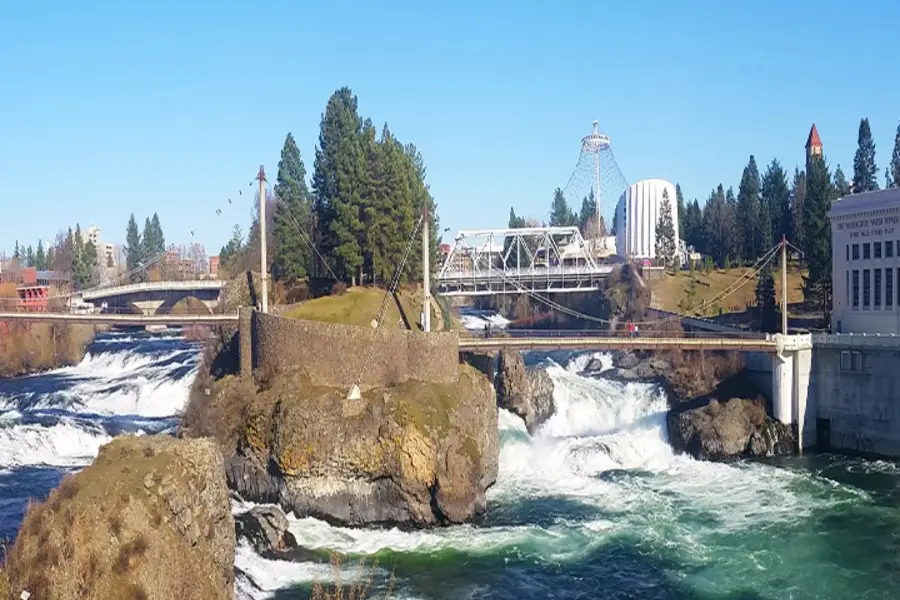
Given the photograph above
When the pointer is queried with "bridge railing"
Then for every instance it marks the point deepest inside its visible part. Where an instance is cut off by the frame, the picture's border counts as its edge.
(605, 333)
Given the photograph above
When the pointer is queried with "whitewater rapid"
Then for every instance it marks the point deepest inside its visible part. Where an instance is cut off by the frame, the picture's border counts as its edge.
(595, 497)
(55, 422)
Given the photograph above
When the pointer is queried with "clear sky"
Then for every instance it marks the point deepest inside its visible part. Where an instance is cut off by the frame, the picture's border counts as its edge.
(112, 107)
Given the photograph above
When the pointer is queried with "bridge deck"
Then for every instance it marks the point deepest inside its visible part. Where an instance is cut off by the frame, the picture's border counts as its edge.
(107, 319)
(485, 344)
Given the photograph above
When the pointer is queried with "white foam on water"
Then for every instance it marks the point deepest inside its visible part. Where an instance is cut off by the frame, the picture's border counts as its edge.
(605, 448)
(476, 320)
(63, 444)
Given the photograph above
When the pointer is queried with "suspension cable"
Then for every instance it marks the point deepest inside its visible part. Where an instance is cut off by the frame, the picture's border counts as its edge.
(734, 287)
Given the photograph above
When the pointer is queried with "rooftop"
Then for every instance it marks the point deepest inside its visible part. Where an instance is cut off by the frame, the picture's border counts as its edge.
(813, 139)
(865, 201)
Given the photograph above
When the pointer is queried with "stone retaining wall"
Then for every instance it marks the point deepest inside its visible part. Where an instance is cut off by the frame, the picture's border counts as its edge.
(335, 355)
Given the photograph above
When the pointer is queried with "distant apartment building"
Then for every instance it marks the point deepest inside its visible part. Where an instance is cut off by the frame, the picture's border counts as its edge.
(177, 267)
(214, 266)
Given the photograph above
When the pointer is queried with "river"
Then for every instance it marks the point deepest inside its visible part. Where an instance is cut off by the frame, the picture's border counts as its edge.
(595, 505)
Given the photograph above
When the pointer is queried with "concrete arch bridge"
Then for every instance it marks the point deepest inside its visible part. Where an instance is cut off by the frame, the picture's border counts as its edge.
(154, 298)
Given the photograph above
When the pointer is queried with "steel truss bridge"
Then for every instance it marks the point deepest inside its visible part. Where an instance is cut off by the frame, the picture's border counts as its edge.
(509, 261)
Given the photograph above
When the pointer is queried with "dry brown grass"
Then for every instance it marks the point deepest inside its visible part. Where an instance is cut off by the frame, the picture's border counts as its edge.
(360, 587)
(677, 293)
(31, 347)
(94, 537)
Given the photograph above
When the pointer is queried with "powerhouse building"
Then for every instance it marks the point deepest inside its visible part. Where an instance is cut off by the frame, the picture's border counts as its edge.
(637, 215)
(865, 246)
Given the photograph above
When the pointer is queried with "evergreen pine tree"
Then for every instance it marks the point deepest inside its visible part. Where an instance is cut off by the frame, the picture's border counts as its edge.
(29, 256)
(682, 210)
(748, 217)
(888, 180)
(133, 248)
(895, 160)
(148, 242)
(777, 197)
(159, 240)
(798, 199)
(819, 194)
(587, 214)
(865, 173)
(765, 285)
(716, 226)
(80, 260)
(841, 186)
(666, 244)
(293, 217)
(420, 194)
(16, 252)
(693, 225)
(560, 213)
(733, 242)
(40, 258)
(336, 179)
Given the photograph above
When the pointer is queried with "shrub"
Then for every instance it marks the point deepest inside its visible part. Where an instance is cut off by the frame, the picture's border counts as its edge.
(338, 288)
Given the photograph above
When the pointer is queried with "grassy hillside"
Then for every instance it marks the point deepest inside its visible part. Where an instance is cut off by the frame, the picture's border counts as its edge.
(359, 305)
(674, 293)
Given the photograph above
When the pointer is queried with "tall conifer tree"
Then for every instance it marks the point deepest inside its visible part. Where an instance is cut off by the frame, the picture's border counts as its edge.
(293, 217)
(865, 173)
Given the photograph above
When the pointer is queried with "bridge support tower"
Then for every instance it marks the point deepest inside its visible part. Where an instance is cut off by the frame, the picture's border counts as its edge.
(791, 366)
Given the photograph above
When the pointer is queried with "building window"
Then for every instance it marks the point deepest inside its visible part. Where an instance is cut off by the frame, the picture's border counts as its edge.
(855, 251)
(851, 360)
(867, 251)
(889, 289)
(847, 287)
(877, 247)
(848, 251)
(877, 288)
(867, 291)
(889, 249)
(855, 288)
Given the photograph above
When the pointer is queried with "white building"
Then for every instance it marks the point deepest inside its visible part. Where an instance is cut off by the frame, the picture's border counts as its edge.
(865, 246)
(637, 215)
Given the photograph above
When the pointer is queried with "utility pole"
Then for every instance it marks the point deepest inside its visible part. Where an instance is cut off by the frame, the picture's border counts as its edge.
(426, 275)
(262, 239)
(784, 290)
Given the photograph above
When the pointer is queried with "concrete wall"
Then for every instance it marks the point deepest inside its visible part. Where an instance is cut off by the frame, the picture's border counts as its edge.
(335, 355)
(856, 410)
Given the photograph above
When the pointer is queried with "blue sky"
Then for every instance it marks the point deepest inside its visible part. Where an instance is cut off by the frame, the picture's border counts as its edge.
(108, 108)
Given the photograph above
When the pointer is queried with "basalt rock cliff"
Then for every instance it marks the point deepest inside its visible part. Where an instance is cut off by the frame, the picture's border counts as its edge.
(416, 453)
(150, 518)
(525, 392)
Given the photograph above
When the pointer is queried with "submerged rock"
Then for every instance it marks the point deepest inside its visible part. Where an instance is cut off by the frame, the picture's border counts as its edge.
(525, 392)
(416, 453)
(150, 518)
(733, 429)
(266, 528)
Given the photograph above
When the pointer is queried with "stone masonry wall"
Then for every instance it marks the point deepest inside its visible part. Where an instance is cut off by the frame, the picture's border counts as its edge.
(335, 355)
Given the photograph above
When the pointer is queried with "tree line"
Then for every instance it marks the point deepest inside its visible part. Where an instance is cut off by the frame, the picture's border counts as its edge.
(355, 218)
(143, 248)
(69, 254)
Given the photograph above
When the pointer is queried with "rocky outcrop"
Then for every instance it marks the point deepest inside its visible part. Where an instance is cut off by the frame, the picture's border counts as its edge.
(150, 518)
(266, 528)
(629, 366)
(416, 453)
(525, 392)
(724, 430)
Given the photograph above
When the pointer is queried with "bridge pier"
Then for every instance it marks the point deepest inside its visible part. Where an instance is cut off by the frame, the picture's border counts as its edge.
(791, 366)
(148, 307)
